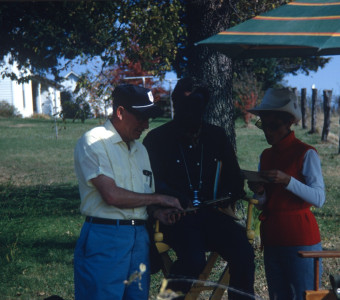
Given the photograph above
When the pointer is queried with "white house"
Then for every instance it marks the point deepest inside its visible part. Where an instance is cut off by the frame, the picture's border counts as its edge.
(39, 95)
(70, 83)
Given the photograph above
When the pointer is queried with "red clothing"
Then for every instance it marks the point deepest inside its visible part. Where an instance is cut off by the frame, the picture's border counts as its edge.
(286, 218)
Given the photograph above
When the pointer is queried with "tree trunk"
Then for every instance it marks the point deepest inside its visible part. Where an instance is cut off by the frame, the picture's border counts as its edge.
(303, 107)
(313, 114)
(327, 96)
(213, 69)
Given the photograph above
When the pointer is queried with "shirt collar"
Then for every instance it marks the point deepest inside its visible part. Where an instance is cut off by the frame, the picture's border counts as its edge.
(116, 138)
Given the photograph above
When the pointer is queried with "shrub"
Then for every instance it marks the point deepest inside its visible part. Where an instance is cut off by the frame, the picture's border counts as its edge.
(247, 90)
(74, 108)
(7, 110)
(41, 116)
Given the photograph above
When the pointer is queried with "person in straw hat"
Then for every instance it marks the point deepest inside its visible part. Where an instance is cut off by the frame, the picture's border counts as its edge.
(292, 183)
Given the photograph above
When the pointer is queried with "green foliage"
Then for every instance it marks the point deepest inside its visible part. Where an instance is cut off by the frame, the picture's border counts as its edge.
(155, 27)
(244, 10)
(38, 34)
(7, 110)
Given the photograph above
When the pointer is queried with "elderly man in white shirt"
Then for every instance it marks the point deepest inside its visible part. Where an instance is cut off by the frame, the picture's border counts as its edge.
(116, 186)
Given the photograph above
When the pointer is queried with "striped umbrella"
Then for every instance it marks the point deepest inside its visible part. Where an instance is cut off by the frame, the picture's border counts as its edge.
(299, 28)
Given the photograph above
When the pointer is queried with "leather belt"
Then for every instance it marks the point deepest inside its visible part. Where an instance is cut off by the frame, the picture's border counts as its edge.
(132, 222)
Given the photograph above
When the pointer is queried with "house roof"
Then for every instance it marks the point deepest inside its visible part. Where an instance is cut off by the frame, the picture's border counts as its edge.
(70, 74)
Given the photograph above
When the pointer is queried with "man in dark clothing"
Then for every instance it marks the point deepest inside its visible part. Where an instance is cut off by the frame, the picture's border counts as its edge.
(195, 162)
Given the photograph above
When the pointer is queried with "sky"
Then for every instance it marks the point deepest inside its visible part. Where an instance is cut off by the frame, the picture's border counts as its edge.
(327, 78)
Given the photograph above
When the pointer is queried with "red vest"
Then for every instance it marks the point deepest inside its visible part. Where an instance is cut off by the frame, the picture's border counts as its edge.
(286, 218)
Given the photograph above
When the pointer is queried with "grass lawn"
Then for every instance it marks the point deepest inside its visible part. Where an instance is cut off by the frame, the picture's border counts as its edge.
(39, 200)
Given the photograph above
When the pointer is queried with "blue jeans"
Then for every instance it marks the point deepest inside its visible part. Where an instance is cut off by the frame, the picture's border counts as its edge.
(105, 257)
(288, 275)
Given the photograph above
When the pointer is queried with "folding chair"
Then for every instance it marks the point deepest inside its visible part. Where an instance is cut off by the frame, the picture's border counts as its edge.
(317, 294)
(216, 290)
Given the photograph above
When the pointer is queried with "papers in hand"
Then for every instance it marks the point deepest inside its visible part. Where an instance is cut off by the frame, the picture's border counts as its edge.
(253, 176)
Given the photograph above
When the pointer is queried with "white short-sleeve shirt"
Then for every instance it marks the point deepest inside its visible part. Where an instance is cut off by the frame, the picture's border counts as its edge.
(101, 151)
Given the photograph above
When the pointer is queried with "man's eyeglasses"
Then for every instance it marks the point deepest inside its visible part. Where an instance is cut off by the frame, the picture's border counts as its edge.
(273, 126)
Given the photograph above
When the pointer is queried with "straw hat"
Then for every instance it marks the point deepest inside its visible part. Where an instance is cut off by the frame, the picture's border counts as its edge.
(279, 100)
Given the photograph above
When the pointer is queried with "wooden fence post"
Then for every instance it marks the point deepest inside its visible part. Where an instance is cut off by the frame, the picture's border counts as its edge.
(294, 89)
(303, 107)
(327, 96)
(313, 114)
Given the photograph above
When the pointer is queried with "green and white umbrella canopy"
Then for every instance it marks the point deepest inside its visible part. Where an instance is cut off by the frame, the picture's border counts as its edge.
(299, 28)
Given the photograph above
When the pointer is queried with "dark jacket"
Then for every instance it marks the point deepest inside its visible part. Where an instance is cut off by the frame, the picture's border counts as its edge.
(176, 162)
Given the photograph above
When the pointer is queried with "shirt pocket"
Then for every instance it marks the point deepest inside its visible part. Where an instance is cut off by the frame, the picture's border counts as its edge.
(147, 181)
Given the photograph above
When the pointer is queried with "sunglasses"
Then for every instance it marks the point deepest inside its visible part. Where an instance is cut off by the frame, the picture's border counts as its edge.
(272, 126)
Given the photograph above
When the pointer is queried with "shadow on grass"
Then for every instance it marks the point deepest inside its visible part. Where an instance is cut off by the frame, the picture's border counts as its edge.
(57, 200)
(53, 252)
(38, 224)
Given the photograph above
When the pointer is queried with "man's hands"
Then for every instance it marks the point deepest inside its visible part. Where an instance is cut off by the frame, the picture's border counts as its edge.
(167, 216)
(171, 212)
(169, 201)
